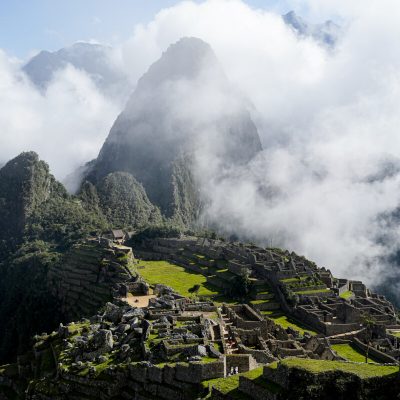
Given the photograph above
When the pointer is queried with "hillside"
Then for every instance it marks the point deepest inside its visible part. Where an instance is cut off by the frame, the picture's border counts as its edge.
(215, 344)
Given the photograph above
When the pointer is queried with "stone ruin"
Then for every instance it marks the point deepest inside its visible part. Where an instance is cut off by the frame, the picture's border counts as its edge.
(295, 285)
(166, 350)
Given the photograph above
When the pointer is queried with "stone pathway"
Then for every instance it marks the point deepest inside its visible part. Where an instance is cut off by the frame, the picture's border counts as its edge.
(231, 345)
(339, 335)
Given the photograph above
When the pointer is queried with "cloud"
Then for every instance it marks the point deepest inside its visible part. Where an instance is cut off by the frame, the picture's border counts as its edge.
(66, 125)
(328, 122)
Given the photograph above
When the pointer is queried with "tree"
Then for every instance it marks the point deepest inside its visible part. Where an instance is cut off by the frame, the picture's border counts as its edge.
(195, 289)
(368, 321)
(241, 285)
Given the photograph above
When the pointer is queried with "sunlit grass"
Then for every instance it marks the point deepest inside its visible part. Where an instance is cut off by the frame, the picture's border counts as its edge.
(176, 277)
(350, 352)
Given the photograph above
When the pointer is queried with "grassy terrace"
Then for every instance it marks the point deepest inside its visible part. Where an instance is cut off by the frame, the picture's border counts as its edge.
(177, 277)
(305, 291)
(291, 280)
(285, 322)
(229, 385)
(346, 295)
(363, 371)
(350, 353)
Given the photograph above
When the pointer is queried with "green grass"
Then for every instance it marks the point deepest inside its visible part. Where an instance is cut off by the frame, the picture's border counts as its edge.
(312, 291)
(290, 280)
(200, 256)
(76, 328)
(267, 313)
(394, 333)
(206, 360)
(346, 295)
(263, 291)
(231, 383)
(350, 352)
(229, 386)
(255, 302)
(363, 371)
(176, 277)
(285, 322)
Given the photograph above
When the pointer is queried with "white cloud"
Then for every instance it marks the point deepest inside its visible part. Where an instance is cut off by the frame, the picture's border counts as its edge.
(66, 125)
(328, 121)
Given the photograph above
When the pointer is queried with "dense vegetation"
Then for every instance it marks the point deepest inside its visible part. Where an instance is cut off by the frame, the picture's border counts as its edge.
(39, 221)
(124, 202)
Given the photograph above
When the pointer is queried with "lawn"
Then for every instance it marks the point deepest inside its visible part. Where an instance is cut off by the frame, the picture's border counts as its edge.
(285, 322)
(363, 371)
(350, 352)
(176, 277)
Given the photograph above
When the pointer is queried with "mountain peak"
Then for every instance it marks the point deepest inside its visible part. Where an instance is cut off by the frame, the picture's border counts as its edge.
(91, 58)
(185, 59)
(166, 122)
(25, 183)
(326, 32)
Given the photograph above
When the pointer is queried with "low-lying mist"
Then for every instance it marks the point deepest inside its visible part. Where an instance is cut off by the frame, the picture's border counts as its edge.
(328, 120)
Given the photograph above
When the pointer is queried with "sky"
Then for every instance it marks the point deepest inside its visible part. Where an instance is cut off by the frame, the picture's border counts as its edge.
(27, 26)
(328, 118)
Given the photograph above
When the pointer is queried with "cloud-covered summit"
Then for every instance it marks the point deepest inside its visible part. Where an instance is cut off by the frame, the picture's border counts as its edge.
(183, 108)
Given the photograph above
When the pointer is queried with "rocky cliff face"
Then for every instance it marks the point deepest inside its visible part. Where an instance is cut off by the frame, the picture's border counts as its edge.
(178, 113)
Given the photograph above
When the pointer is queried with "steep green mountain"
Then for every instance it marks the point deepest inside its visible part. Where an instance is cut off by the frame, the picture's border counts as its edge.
(39, 221)
(25, 184)
(171, 123)
(125, 203)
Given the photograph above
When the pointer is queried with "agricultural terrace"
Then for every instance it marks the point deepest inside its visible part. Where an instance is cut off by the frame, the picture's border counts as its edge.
(230, 385)
(363, 371)
(176, 277)
(350, 353)
(287, 322)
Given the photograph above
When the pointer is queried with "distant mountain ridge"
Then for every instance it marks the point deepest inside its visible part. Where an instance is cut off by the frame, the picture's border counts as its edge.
(326, 33)
(93, 59)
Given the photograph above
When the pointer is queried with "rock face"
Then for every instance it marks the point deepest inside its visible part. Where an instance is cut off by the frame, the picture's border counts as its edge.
(178, 108)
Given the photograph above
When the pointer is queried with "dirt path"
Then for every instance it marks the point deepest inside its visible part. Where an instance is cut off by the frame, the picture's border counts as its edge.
(138, 301)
